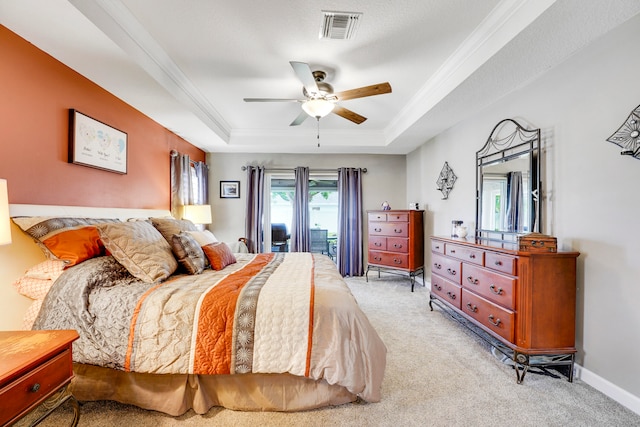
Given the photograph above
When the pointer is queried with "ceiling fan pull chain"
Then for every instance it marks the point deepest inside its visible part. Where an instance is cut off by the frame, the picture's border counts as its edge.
(318, 137)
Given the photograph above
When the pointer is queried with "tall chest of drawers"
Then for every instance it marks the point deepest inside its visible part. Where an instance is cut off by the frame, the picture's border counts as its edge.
(523, 302)
(396, 242)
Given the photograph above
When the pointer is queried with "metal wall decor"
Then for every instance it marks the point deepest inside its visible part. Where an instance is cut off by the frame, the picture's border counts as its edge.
(446, 180)
(628, 135)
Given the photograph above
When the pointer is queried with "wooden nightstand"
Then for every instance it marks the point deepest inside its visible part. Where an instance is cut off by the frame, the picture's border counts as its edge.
(34, 365)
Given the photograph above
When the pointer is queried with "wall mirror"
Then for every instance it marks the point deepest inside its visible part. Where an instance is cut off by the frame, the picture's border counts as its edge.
(508, 183)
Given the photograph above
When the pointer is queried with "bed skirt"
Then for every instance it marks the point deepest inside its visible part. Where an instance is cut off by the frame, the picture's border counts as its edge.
(176, 394)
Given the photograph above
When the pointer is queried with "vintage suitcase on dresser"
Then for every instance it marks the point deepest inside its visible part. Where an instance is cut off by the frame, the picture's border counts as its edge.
(396, 242)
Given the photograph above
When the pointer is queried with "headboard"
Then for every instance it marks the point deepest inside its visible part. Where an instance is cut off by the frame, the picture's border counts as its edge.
(23, 253)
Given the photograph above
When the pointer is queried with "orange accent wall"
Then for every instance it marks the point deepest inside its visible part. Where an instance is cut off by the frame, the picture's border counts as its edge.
(36, 93)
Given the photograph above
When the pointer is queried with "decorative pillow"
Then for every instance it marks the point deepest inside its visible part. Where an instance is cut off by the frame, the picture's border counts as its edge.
(140, 248)
(170, 226)
(219, 255)
(203, 237)
(188, 253)
(31, 314)
(50, 269)
(72, 239)
(33, 288)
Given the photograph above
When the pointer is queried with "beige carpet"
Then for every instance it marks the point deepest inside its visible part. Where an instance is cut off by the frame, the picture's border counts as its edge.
(438, 374)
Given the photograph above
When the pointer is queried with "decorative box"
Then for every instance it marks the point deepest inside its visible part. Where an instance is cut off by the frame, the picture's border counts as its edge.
(536, 242)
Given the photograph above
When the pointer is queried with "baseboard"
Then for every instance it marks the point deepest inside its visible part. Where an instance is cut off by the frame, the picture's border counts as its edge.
(607, 388)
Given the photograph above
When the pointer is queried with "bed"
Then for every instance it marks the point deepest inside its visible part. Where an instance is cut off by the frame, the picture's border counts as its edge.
(275, 332)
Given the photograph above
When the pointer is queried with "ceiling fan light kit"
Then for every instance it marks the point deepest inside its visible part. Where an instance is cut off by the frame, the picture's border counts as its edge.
(319, 97)
(318, 108)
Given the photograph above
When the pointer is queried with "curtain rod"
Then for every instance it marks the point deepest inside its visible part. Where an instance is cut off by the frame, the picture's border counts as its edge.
(244, 168)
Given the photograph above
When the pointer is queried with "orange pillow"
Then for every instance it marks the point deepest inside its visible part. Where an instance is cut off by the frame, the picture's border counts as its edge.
(76, 245)
(219, 255)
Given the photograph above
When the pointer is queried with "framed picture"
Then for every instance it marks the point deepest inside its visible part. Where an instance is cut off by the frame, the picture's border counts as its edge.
(95, 144)
(229, 189)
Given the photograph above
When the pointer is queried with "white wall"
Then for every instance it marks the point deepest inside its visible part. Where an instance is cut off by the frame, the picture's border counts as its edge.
(591, 191)
(385, 180)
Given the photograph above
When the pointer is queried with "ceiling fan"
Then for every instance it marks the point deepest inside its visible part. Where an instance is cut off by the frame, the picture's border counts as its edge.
(319, 97)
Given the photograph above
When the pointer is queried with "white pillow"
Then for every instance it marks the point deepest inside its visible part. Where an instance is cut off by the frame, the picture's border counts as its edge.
(203, 237)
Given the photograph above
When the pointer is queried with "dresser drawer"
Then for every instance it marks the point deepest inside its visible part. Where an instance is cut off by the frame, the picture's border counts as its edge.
(400, 217)
(390, 259)
(475, 256)
(499, 262)
(377, 217)
(393, 229)
(492, 316)
(398, 244)
(378, 243)
(446, 291)
(437, 247)
(489, 284)
(35, 386)
(446, 267)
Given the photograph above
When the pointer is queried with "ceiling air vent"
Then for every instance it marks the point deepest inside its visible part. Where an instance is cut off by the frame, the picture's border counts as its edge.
(339, 25)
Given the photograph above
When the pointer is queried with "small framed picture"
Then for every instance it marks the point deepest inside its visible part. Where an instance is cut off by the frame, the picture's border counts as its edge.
(229, 189)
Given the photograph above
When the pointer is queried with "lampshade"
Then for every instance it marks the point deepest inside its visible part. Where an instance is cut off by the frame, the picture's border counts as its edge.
(198, 214)
(5, 225)
(318, 107)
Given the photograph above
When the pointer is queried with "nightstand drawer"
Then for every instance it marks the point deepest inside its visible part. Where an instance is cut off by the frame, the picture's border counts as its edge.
(30, 389)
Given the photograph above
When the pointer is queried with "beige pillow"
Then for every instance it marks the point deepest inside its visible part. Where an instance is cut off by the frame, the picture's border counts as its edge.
(203, 237)
(170, 226)
(140, 248)
(188, 253)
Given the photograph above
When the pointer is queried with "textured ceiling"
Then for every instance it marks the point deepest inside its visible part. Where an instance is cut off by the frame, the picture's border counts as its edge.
(188, 65)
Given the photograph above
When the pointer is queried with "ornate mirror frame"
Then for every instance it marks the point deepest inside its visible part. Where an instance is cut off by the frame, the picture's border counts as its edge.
(509, 164)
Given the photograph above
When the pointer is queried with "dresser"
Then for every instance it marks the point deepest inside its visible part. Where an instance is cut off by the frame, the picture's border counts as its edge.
(523, 303)
(34, 366)
(396, 242)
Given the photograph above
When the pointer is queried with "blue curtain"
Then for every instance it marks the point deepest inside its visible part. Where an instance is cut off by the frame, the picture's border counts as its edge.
(300, 235)
(255, 208)
(350, 222)
(514, 201)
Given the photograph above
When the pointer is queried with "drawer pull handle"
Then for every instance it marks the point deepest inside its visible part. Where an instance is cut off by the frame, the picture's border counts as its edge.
(437, 247)
(377, 230)
(496, 322)
(438, 287)
(472, 256)
(397, 230)
(473, 281)
(378, 244)
(451, 272)
(396, 245)
(473, 308)
(34, 388)
(397, 261)
(495, 291)
(377, 258)
(438, 266)
(453, 251)
(498, 263)
(452, 296)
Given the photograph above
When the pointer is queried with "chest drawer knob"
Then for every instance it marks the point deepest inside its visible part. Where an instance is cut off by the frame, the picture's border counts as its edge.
(34, 388)
(473, 281)
(451, 271)
(397, 230)
(397, 261)
(495, 322)
(453, 251)
(437, 266)
(437, 247)
(377, 244)
(397, 245)
(451, 295)
(498, 263)
(377, 258)
(472, 256)
(497, 291)
(438, 287)
(473, 307)
(377, 230)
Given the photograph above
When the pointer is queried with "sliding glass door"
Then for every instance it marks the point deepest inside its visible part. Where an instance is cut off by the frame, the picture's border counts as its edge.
(323, 211)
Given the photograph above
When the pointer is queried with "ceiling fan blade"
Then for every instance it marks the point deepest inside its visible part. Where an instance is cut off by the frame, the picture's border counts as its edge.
(303, 71)
(361, 92)
(301, 118)
(272, 100)
(348, 114)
